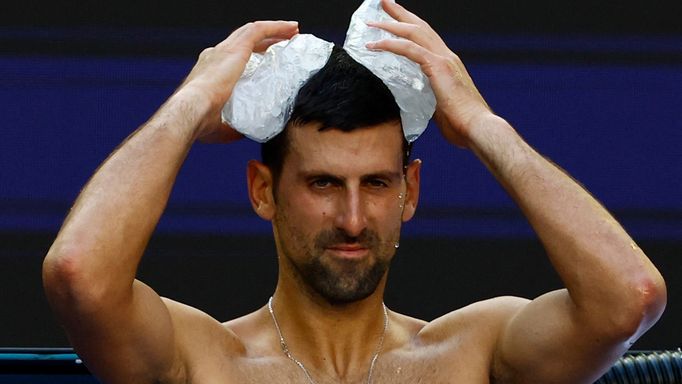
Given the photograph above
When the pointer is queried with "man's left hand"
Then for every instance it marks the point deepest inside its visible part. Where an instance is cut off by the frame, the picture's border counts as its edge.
(459, 103)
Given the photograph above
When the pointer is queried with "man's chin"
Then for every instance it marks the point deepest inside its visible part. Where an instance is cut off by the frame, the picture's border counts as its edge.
(341, 298)
(347, 283)
(342, 280)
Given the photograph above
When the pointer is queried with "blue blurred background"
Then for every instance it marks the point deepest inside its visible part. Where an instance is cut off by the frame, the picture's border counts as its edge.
(595, 87)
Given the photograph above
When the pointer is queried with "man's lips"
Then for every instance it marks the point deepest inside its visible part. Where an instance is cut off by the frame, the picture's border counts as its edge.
(348, 251)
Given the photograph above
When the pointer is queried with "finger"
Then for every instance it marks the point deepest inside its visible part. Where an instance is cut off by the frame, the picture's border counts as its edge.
(252, 33)
(266, 43)
(408, 31)
(399, 13)
(407, 48)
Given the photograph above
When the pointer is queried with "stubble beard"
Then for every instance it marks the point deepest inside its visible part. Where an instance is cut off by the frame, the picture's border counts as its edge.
(341, 281)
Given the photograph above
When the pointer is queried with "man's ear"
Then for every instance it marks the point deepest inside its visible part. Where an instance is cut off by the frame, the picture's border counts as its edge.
(412, 183)
(260, 183)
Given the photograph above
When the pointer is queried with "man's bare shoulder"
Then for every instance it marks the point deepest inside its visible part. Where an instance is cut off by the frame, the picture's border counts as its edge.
(256, 331)
(479, 322)
(197, 330)
(456, 347)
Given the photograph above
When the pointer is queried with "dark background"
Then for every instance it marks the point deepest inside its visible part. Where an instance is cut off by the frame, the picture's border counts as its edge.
(596, 86)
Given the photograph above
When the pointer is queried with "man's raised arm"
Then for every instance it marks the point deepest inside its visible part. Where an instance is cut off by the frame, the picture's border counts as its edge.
(121, 327)
(614, 293)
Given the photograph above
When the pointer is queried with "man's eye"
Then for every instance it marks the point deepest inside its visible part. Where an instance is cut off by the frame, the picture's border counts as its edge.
(322, 183)
(377, 183)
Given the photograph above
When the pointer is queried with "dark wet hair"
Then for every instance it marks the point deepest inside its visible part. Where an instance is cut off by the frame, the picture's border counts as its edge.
(342, 95)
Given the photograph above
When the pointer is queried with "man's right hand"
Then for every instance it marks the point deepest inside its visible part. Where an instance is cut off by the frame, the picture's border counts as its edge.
(218, 69)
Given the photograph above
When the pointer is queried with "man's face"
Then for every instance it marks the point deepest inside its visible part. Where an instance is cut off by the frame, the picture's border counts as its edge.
(339, 208)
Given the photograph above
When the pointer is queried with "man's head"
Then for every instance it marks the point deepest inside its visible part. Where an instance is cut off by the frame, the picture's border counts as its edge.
(336, 184)
(342, 95)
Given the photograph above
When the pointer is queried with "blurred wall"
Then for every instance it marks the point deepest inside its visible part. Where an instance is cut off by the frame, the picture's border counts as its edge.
(596, 87)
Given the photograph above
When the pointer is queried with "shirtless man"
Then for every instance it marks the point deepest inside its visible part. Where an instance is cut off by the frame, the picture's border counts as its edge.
(336, 204)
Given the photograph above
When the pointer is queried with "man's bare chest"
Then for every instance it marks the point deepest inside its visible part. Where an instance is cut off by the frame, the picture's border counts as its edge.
(393, 368)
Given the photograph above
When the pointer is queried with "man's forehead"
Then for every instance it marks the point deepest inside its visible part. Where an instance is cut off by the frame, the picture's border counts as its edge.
(379, 145)
(315, 132)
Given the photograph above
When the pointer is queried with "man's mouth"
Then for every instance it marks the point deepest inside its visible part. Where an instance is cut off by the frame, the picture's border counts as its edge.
(348, 251)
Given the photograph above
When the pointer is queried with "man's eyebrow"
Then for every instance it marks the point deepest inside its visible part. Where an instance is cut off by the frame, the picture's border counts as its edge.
(389, 175)
(314, 174)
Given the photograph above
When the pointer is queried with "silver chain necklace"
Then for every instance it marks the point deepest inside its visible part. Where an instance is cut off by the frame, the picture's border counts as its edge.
(291, 357)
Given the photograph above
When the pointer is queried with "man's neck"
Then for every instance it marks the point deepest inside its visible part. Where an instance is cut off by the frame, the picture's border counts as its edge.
(334, 340)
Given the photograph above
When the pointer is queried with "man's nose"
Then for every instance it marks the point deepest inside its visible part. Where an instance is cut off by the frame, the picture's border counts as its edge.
(351, 217)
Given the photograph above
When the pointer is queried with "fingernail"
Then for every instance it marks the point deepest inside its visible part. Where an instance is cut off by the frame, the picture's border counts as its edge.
(371, 45)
